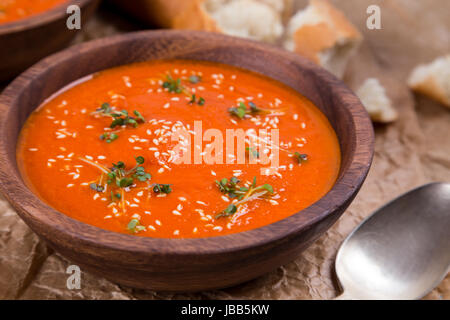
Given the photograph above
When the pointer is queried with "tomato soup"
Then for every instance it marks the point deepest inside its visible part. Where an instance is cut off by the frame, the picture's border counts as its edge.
(13, 10)
(108, 151)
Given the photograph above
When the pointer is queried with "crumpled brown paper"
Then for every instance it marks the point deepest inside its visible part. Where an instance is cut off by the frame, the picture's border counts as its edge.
(412, 151)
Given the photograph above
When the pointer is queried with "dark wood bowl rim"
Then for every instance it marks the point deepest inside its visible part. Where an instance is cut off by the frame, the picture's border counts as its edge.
(80, 233)
(40, 19)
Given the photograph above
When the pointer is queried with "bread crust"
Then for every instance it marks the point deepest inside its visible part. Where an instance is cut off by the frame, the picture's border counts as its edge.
(321, 33)
(431, 88)
(179, 14)
(433, 80)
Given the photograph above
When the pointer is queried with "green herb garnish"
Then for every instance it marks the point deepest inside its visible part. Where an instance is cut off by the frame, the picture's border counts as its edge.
(134, 226)
(119, 118)
(242, 194)
(115, 196)
(109, 137)
(230, 187)
(176, 86)
(252, 151)
(300, 157)
(229, 211)
(194, 79)
(242, 110)
(173, 85)
(162, 188)
(96, 187)
(118, 178)
(239, 111)
(200, 101)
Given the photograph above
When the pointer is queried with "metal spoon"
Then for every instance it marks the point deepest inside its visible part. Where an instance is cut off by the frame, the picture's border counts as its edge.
(402, 251)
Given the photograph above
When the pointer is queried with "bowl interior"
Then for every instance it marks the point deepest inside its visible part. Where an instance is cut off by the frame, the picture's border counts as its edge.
(331, 96)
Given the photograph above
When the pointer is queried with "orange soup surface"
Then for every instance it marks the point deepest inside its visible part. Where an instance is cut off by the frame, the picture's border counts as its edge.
(13, 10)
(107, 150)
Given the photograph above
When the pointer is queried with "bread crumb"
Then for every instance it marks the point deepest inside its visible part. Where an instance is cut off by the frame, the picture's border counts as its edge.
(258, 20)
(433, 80)
(373, 97)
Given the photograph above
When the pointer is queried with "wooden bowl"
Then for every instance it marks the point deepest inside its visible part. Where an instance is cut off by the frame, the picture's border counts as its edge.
(26, 41)
(184, 264)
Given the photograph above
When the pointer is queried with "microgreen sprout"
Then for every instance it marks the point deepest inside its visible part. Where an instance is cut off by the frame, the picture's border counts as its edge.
(252, 109)
(300, 157)
(119, 118)
(176, 86)
(243, 194)
(134, 226)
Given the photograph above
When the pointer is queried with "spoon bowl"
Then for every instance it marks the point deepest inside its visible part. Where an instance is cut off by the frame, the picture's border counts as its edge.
(402, 251)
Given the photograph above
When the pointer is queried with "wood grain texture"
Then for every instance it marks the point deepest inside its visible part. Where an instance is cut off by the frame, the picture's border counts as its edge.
(26, 41)
(184, 264)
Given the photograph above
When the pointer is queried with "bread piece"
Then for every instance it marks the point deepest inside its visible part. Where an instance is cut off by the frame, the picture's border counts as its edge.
(373, 97)
(256, 19)
(322, 34)
(248, 19)
(433, 80)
